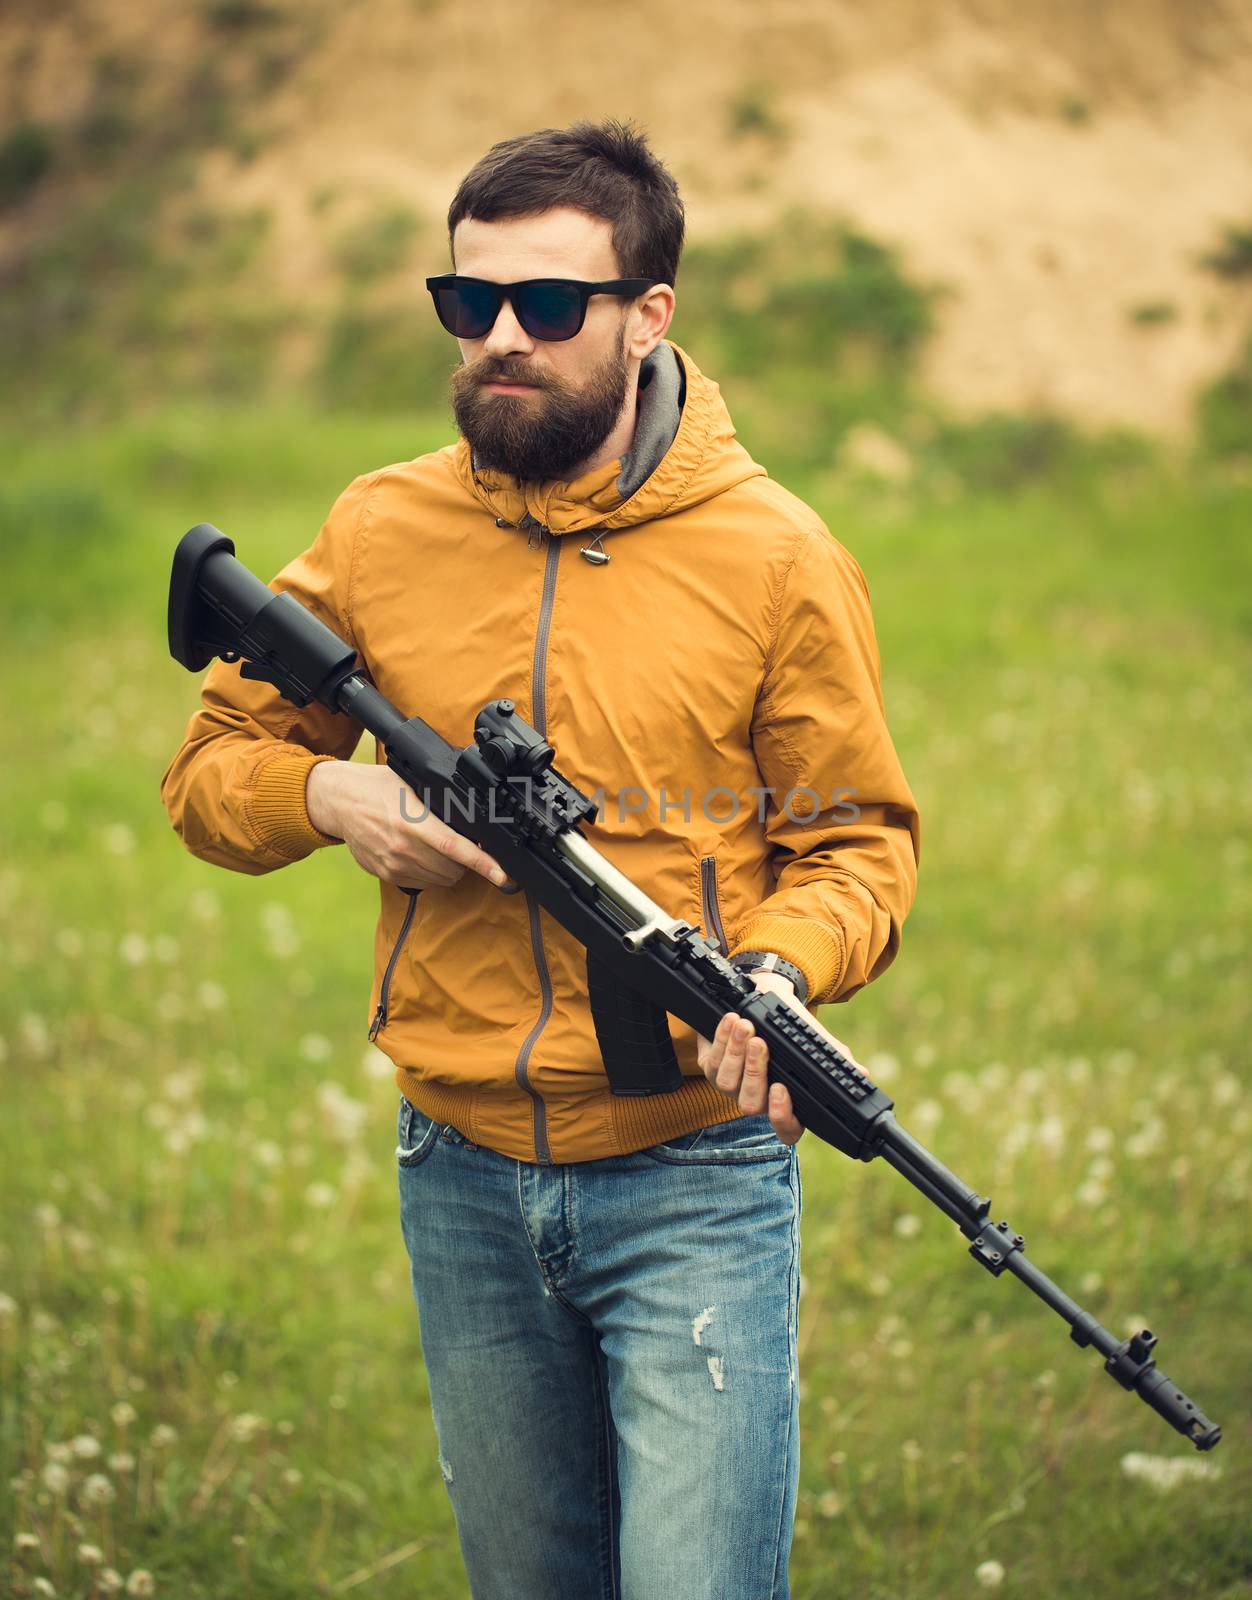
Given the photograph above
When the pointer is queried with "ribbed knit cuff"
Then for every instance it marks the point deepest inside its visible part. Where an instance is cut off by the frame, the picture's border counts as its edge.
(279, 812)
(813, 947)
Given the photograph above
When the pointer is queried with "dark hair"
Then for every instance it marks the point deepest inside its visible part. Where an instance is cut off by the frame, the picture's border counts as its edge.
(604, 168)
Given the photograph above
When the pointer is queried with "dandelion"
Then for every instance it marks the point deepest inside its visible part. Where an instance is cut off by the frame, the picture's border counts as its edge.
(293, 1477)
(245, 1427)
(91, 1555)
(118, 839)
(1092, 1193)
(830, 1504)
(121, 1462)
(56, 1477)
(98, 1491)
(86, 1447)
(141, 1582)
(1091, 1283)
(1167, 1472)
(109, 1580)
(286, 1428)
(26, 1541)
(267, 1154)
(59, 1452)
(123, 1413)
(8, 1308)
(41, 1586)
(376, 1064)
(133, 949)
(320, 1196)
(1099, 1139)
(345, 1116)
(212, 996)
(911, 1450)
(181, 1086)
(990, 1574)
(907, 1226)
(162, 1436)
(315, 1047)
(205, 906)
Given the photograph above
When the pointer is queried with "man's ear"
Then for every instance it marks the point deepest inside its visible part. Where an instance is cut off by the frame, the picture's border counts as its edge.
(652, 314)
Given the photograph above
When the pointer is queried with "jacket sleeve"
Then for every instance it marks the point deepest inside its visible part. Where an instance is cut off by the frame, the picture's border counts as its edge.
(840, 818)
(235, 789)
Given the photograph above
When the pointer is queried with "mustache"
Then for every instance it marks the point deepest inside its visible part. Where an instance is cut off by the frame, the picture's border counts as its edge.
(490, 369)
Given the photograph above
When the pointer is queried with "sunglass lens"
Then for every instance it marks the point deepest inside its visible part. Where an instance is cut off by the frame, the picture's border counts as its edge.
(467, 310)
(549, 310)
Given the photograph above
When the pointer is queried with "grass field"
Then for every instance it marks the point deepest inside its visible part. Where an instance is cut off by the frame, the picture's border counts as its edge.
(210, 1375)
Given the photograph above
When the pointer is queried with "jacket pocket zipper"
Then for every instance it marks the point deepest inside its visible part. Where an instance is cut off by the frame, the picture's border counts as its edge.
(709, 907)
(380, 1015)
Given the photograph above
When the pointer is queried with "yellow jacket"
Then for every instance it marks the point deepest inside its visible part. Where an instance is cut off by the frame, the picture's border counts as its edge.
(717, 680)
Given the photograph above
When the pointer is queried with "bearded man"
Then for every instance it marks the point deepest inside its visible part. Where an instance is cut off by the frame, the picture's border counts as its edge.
(608, 1287)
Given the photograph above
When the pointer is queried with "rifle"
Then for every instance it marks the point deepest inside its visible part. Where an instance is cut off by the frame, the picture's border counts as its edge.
(505, 794)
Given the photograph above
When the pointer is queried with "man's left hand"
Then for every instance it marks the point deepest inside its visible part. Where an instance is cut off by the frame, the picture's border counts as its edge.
(736, 1062)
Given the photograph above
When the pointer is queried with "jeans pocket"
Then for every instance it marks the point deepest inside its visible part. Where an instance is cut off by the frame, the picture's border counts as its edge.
(748, 1138)
(415, 1135)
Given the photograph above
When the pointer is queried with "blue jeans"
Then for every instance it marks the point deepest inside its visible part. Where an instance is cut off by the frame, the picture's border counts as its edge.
(611, 1350)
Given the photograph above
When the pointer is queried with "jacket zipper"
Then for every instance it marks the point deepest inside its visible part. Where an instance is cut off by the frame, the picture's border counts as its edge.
(710, 909)
(539, 714)
(380, 1015)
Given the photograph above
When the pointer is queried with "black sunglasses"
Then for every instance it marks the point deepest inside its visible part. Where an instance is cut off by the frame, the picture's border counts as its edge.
(548, 308)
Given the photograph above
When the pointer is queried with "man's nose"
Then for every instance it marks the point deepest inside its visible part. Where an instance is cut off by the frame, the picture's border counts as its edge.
(507, 337)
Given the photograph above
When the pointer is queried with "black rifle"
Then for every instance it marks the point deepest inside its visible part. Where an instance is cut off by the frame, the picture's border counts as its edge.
(504, 793)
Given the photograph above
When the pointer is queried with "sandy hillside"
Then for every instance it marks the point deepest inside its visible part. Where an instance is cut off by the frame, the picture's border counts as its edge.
(1053, 165)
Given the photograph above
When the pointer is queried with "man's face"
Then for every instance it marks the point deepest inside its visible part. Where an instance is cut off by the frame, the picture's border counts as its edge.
(532, 408)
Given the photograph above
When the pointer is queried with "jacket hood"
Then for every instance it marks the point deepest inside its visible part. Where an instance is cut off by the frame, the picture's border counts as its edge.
(703, 459)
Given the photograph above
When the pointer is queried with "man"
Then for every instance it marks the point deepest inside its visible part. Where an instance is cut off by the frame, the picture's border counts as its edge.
(607, 1286)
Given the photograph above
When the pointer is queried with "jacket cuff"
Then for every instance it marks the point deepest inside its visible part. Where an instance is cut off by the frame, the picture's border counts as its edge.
(278, 810)
(813, 947)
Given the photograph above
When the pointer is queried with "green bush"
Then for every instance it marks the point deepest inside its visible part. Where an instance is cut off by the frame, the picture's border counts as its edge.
(26, 154)
(1224, 411)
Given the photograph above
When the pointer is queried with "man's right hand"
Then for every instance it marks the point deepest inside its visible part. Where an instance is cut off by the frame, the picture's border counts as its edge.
(388, 830)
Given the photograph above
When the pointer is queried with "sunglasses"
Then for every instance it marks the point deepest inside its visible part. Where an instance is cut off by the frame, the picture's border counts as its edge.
(548, 308)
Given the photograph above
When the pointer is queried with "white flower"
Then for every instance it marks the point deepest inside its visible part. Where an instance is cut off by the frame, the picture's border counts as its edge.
(1167, 1472)
(1099, 1139)
(118, 839)
(56, 1477)
(26, 1541)
(990, 1574)
(133, 949)
(246, 1426)
(141, 1582)
(47, 1216)
(907, 1226)
(293, 1477)
(162, 1436)
(123, 1413)
(91, 1555)
(86, 1446)
(8, 1307)
(315, 1047)
(121, 1462)
(109, 1580)
(376, 1064)
(98, 1491)
(41, 1586)
(321, 1196)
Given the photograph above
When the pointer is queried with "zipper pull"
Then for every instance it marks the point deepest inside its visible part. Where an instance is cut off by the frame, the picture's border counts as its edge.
(380, 1016)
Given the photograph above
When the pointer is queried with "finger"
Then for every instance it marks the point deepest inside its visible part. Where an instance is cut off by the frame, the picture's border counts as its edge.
(730, 1071)
(782, 1117)
(709, 1051)
(450, 848)
(753, 1089)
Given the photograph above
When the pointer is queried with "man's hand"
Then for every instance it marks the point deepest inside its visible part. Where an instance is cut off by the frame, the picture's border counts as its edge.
(388, 830)
(736, 1062)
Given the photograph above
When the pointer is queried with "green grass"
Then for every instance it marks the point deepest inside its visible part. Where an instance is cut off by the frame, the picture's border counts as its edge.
(195, 1227)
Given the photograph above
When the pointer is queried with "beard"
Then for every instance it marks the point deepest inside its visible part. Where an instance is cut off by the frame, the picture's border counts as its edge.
(542, 436)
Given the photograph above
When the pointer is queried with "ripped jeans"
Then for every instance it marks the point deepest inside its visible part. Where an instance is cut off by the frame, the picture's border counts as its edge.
(611, 1350)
